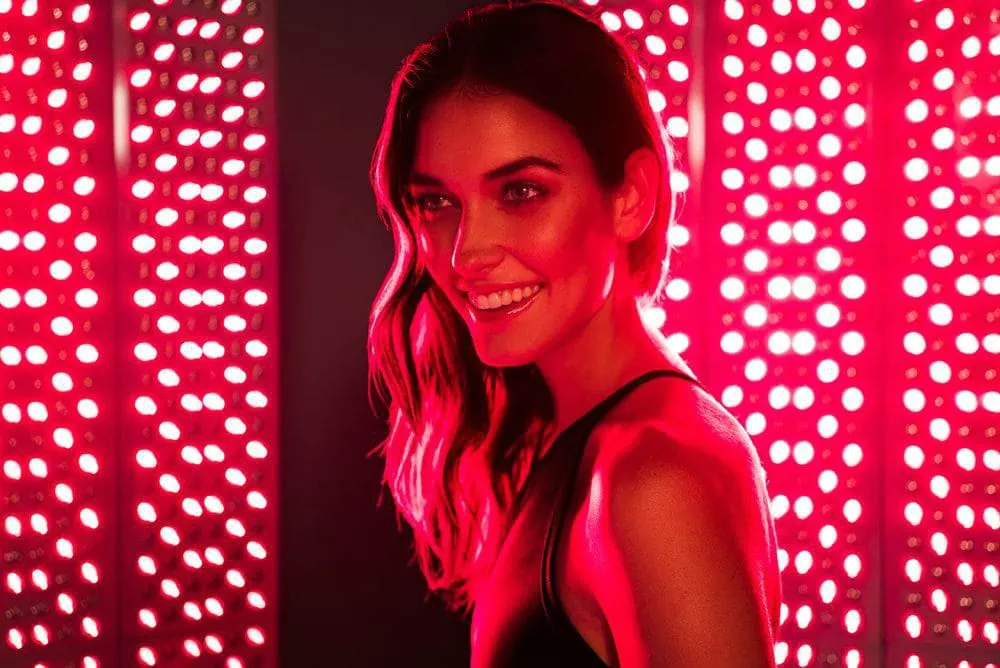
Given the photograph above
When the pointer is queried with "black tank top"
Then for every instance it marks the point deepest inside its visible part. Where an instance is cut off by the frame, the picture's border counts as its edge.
(518, 620)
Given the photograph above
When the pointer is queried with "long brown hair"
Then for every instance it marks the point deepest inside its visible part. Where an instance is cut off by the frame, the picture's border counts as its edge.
(463, 435)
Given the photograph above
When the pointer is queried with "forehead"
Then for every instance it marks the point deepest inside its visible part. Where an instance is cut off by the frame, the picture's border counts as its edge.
(464, 136)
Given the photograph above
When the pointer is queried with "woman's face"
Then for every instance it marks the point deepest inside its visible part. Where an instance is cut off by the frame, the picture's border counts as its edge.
(511, 223)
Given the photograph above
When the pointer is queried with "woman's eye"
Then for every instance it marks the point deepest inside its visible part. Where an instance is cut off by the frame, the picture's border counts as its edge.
(522, 192)
(430, 202)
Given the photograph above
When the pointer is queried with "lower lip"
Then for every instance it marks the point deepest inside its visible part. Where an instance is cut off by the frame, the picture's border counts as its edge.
(503, 313)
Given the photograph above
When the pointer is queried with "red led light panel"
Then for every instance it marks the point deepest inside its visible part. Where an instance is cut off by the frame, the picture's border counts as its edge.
(788, 209)
(943, 541)
(138, 332)
(200, 329)
(58, 515)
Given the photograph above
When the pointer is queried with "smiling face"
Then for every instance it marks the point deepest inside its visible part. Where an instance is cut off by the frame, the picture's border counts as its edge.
(504, 198)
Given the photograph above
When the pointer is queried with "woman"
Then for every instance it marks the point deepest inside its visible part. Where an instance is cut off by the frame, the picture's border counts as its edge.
(567, 479)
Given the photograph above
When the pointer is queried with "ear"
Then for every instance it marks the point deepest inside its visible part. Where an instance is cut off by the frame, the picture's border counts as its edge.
(635, 198)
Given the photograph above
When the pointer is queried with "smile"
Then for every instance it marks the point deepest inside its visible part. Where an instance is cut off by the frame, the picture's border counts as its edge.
(502, 305)
(498, 300)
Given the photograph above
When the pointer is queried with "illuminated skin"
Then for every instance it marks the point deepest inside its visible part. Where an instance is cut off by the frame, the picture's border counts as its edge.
(540, 224)
(632, 574)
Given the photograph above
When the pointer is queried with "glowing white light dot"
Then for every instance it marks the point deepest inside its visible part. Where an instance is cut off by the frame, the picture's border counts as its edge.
(756, 35)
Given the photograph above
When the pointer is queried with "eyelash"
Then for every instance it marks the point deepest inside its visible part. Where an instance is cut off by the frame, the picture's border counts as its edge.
(419, 201)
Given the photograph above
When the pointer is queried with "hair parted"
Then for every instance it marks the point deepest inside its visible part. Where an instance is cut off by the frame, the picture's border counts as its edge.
(463, 435)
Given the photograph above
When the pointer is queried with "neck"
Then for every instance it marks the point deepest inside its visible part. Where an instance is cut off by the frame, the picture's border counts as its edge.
(611, 349)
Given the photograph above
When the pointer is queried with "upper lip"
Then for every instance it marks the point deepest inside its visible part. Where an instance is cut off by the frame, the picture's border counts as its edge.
(487, 288)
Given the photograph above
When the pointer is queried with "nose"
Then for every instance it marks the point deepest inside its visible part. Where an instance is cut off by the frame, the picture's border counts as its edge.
(477, 247)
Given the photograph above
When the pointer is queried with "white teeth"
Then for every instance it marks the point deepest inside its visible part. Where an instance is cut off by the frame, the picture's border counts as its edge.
(495, 300)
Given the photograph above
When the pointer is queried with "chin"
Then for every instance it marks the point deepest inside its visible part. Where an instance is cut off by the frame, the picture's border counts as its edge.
(496, 354)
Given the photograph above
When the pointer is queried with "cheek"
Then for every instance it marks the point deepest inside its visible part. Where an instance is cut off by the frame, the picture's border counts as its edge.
(572, 249)
(434, 249)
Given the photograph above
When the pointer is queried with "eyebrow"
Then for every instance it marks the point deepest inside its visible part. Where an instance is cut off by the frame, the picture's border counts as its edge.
(506, 169)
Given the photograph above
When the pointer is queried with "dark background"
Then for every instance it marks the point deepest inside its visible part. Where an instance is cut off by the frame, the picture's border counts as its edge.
(350, 593)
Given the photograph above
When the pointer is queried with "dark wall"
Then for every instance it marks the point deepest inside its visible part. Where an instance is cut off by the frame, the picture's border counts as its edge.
(350, 595)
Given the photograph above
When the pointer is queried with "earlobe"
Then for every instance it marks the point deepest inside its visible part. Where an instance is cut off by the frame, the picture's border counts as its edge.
(637, 196)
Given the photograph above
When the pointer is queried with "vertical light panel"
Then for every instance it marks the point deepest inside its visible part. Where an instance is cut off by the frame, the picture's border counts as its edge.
(58, 584)
(943, 547)
(787, 217)
(660, 33)
(199, 329)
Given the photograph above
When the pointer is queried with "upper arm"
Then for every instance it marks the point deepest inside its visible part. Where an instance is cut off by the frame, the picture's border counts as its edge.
(675, 570)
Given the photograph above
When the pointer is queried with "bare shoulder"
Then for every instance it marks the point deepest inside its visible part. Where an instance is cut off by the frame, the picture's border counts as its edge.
(674, 479)
(671, 420)
(672, 438)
